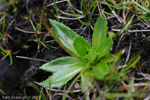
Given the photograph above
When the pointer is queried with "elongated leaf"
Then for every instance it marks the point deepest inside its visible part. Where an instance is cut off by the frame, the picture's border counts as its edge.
(101, 69)
(104, 48)
(109, 58)
(3, 29)
(57, 64)
(65, 35)
(62, 76)
(81, 46)
(100, 31)
(1, 91)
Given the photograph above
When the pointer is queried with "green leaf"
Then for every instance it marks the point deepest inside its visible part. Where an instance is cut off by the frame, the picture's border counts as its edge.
(3, 28)
(1, 91)
(62, 76)
(104, 48)
(100, 31)
(109, 58)
(86, 79)
(64, 34)
(101, 69)
(57, 64)
(91, 56)
(81, 46)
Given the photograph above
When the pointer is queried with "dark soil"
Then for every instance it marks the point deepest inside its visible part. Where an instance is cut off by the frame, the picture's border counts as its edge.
(28, 54)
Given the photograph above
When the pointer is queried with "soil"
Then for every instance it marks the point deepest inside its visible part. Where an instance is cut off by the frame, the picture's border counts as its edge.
(28, 55)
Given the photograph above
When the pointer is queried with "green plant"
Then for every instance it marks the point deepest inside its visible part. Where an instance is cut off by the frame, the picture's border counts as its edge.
(37, 32)
(1, 91)
(41, 95)
(6, 53)
(57, 13)
(3, 35)
(90, 61)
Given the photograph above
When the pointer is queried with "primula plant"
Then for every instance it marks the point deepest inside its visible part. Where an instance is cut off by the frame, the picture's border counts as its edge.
(89, 61)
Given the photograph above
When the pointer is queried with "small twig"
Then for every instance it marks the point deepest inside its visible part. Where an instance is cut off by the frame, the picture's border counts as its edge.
(122, 67)
(99, 7)
(123, 14)
(23, 57)
(127, 24)
(123, 82)
(68, 14)
(140, 79)
(9, 36)
(3, 58)
(49, 41)
(83, 30)
(67, 96)
(21, 30)
(65, 87)
(129, 52)
(69, 4)
(145, 22)
(132, 84)
(56, 3)
(48, 93)
(27, 8)
(122, 35)
(61, 17)
(119, 18)
(147, 76)
(131, 31)
(9, 27)
(1, 18)
(74, 7)
(138, 84)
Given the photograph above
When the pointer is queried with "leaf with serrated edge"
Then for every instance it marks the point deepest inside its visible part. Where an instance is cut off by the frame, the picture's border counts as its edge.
(62, 76)
(100, 31)
(59, 63)
(65, 35)
(101, 69)
(81, 46)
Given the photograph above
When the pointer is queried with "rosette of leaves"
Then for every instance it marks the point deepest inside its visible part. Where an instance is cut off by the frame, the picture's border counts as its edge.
(91, 61)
